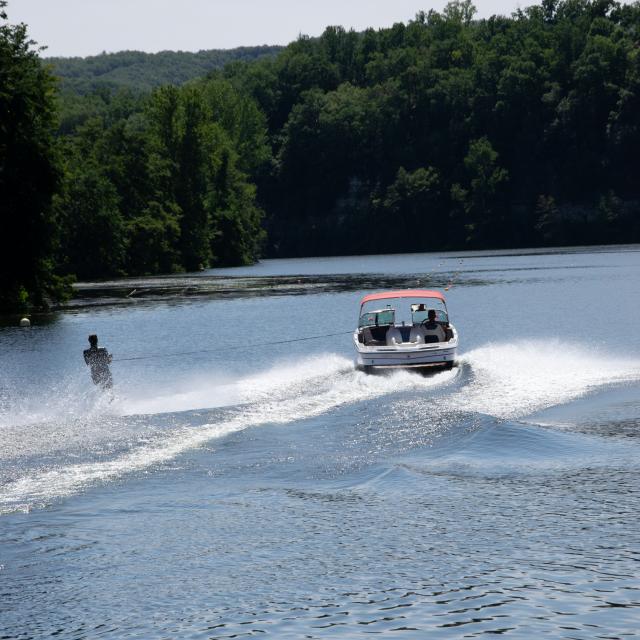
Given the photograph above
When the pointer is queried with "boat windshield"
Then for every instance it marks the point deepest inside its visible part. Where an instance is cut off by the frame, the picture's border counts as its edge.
(377, 318)
(402, 310)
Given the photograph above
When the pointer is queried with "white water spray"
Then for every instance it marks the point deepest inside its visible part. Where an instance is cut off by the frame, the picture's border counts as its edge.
(282, 395)
(516, 379)
(507, 381)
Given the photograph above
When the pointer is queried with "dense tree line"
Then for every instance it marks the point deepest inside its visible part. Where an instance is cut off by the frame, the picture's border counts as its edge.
(443, 133)
(450, 132)
(142, 71)
(29, 172)
(123, 183)
(161, 183)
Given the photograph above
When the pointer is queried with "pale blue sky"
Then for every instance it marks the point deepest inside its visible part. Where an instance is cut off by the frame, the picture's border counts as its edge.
(88, 27)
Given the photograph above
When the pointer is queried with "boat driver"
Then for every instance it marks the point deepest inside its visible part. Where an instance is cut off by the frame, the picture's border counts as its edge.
(433, 328)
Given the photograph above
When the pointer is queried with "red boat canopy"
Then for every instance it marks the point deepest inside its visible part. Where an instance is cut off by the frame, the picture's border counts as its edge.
(407, 293)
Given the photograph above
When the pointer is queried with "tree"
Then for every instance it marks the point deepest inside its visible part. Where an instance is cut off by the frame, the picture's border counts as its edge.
(153, 239)
(93, 241)
(191, 181)
(29, 172)
(205, 139)
(480, 199)
(413, 216)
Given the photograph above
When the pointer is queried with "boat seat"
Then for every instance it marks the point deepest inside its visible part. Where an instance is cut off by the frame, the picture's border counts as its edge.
(417, 335)
(393, 336)
(434, 333)
(374, 336)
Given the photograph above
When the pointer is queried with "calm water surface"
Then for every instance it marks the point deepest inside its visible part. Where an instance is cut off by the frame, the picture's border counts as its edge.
(237, 484)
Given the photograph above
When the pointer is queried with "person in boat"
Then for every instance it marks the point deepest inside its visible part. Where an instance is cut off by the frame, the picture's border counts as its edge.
(433, 328)
(98, 359)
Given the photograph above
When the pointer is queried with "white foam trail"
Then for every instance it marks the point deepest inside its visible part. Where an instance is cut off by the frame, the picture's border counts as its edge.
(284, 395)
(76, 397)
(208, 392)
(201, 392)
(508, 381)
(514, 380)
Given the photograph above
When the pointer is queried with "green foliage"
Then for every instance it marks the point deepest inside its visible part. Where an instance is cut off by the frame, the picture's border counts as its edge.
(153, 238)
(441, 133)
(161, 183)
(204, 138)
(480, 200)
(141, 71)
(93, 238)
(505, 111)
(29, 172)
(411, 213)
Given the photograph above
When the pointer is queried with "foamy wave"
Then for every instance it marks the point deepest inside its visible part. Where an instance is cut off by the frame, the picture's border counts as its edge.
(506, 381)
(198, 392)
(516, 379)
(63, 400)
(283, 395)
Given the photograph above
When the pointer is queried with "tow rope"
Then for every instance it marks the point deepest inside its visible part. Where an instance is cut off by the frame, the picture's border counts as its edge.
(244, 346)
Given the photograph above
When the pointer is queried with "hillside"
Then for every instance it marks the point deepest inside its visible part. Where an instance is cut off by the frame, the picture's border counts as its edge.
(144, 71)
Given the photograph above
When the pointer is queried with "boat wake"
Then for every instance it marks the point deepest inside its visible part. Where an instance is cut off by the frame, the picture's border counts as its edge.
(282, 395)
(503, 381)
(514, 380)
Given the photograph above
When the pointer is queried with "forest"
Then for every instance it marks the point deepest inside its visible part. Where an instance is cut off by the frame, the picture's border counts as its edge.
(444, 133)
(140, 71)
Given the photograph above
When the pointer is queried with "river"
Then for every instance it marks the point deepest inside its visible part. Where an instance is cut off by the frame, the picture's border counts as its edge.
(241, 481)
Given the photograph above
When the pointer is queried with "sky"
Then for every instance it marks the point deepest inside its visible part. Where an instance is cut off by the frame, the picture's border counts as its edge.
(89, 27)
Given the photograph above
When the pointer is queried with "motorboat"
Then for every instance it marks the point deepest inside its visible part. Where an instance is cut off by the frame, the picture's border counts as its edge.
(405, 329)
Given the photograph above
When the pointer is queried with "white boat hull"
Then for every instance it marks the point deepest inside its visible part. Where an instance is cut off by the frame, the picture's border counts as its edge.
(406, 355)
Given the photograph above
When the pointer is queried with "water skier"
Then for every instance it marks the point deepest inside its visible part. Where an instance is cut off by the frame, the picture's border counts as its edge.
(98, 359)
